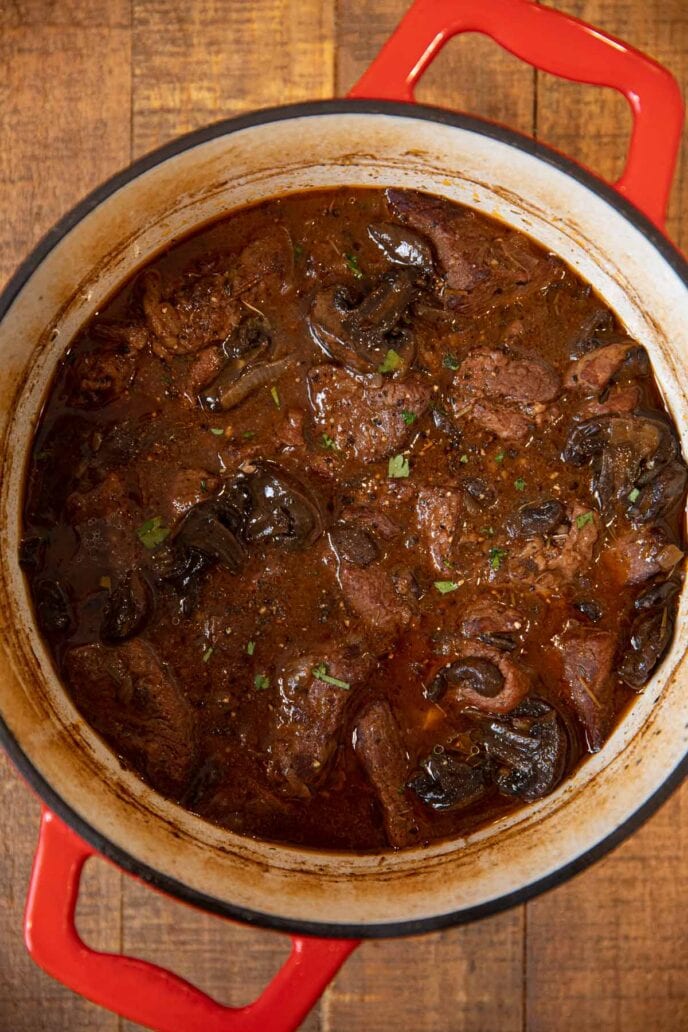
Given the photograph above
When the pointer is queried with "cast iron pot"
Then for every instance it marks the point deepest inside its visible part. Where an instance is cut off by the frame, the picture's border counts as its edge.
(611, 236)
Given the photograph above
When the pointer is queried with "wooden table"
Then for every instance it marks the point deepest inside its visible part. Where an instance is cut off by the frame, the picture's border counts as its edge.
(87, 85)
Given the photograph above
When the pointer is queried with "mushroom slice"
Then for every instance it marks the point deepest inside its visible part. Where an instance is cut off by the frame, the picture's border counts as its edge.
(202, 530)
(360, 337)
(402, 246)
(530, 745)
(627, 452)
(649, 639)
(445, 782)
(280, 508)
(536, 518)
(482, 678)
(127, 609)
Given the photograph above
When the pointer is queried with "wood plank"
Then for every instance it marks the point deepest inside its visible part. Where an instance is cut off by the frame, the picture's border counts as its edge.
(608, 950)
(64, 122)
(195, 63)
(462, 980)
(472, 73)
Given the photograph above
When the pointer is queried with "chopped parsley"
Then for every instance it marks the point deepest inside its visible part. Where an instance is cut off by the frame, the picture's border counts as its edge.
(329, 442)
(409, 417)
(497, 557)
(392, 362)
(584, 519)
(634, 495)
(353, 266)
(217, 430)
(520, 484)
(152, 533)
(445, 586)
(251, 647)
(488, 531)
(499, 457)
(261, 682)
(450, 362)
(248, 434)
(208, 653)
(320, 672)
(204, 486)
(275, 396)
(464, 458)
(398, 466)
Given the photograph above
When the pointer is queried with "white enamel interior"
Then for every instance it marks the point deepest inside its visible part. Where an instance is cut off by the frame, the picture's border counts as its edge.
(200, 184)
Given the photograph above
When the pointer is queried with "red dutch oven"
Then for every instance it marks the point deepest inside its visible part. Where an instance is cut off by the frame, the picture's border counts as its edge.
(612, 236)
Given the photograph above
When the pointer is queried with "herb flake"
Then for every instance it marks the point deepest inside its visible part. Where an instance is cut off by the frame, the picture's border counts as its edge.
(261, 682)
(398, 466)
(497, 557)
(275, 396)
(634, 495)
(321, 674)
(409, 417)
(248, 434)
(208, 653)
(392, 362)
(584, 519)
(450, 362)
(464, 459)
(353, 266)
(329, 443)
(218, 431)
(520, 484)
(499, 457)
(251, 647)
(446, 586)
(152, 533)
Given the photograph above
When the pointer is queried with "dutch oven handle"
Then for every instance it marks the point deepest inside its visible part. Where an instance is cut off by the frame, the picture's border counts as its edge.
(552, 42)
(144, 992)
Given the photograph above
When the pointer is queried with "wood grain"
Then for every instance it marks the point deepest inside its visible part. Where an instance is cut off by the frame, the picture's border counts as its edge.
(84, 86)
(58, 143)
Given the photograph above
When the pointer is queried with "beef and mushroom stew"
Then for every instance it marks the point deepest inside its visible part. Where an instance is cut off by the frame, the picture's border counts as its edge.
(355, 520)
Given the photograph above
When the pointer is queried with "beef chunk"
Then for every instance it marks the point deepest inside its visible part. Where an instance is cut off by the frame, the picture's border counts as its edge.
(639, 554)
(495, 374)
(205, 366)
(502, 392)
(588, 684)
(303, 738)
(353, 544)
(381, 751)
(620, 400)
(494, 623)
(172, 497)
(290, 429)
(509, 424)
(99, 377)
(443, 225)
(132, 699)
(551, 563)
(209, 308)
(437, 512)
(373, 597)
(364, 414)
(594, 370)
